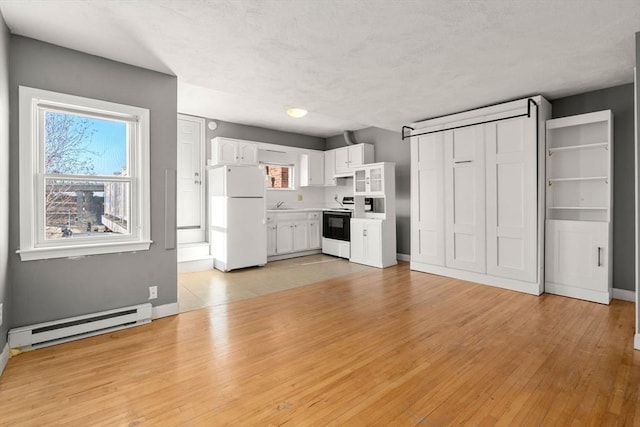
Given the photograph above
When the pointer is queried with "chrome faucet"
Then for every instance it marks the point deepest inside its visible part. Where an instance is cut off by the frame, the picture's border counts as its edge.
(279, 204)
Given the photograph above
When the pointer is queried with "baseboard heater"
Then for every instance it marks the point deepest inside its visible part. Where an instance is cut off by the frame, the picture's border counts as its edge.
(75, 328)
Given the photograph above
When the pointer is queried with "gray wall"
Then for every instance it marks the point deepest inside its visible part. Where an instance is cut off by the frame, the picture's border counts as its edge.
(271, 136)
(5, 296)
(619, 100)
(389, 147)
(52, 289)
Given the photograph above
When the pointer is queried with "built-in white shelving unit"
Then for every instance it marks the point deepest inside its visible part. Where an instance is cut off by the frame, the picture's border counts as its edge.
(579, 201)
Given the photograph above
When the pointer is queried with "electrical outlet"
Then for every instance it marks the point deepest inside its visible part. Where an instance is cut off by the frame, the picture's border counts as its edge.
(299, 197)
(153, 292)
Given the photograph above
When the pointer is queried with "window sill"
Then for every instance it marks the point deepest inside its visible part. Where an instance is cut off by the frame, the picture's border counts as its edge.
(83, 250)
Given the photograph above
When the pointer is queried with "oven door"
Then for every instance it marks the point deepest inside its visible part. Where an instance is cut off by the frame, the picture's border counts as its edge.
(336, 225)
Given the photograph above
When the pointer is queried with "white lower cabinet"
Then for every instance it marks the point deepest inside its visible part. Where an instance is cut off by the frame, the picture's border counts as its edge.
(288, 233)
(577, 260)
(284, 237)
(368, 242)
(300, 235)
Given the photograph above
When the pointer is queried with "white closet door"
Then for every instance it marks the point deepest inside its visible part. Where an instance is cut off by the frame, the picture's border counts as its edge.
(427, 185)
(511, 198)
(465, 199)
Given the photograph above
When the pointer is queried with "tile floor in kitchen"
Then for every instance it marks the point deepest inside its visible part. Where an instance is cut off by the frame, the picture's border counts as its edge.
(212, 287)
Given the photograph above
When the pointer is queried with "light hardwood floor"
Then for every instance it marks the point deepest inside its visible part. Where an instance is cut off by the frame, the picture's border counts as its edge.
(378, 347)
(212, 287)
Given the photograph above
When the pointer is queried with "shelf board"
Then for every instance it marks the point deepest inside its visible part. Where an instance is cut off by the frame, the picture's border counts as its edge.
(604, 145)
(585, 208)
(581, 178)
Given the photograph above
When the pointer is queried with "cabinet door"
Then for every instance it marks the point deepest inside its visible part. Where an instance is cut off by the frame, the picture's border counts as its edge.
(227, 152)
(358, 241)
(465, 199)
(577, 254)
(284, 236)
(511, 178)
(342, 160)
(375, 181)
(360, 182)
(247, 153)
(427, 196)
(366, 242)
(271, 239)
(329, 168)
(300, 236)
(311, 169)
(356, 155)
(314, 234)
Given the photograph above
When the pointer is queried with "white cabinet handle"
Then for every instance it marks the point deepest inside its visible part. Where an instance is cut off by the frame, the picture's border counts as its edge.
(599, 252)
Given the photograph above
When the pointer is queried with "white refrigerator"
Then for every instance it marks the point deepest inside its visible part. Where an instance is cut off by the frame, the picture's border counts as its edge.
(237, 216)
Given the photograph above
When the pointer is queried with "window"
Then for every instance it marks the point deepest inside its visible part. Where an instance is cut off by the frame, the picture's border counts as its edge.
(84, 176)
(279, 177)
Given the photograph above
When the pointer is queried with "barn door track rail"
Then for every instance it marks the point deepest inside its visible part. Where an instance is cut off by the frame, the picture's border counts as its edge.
(527, 114)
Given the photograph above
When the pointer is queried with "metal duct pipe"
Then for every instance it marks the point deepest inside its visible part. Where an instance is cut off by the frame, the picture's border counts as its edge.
(349, 138)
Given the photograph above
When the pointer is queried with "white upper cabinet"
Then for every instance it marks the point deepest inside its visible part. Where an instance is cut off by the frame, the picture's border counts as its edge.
(330, 168)
(351, 156)
(312, 169)
(368, 180)
(228, 151)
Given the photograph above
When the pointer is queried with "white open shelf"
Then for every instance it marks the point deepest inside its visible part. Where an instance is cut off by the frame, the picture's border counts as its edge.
(579, 178)
(589, 208)
(596, 145)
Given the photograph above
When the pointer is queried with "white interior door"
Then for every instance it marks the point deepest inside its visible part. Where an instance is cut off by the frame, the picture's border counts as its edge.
(465, 199)
(190, 188)
(427, 185)
(511, 198)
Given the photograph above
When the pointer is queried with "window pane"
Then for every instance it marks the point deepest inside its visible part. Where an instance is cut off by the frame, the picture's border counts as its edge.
(278, 176)
(80, 145)
(75, 208)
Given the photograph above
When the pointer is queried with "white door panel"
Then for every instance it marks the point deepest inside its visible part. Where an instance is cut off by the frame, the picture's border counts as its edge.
(577, 254)
(511, 176)
(190, 192)
(465, 199)
(427, 185)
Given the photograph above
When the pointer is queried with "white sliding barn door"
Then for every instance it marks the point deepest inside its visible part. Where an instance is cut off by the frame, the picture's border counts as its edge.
(190, 187)
(511, 198)
(427, 185)
(465, 198)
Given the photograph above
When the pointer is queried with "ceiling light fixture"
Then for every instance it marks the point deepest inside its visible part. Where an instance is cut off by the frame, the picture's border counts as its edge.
(296, 112)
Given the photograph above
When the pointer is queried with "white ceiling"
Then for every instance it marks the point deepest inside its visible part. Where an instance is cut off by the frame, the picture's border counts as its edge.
(351, 63)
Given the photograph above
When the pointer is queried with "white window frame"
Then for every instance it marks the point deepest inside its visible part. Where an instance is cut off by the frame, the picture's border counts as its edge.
(33, 245)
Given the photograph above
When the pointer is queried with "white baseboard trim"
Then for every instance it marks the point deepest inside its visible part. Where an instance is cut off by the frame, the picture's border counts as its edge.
(484, 279)
(4, 357)
(636, 342)
(403, 257)
(191, 266)
(165, 310)
(624, 295)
